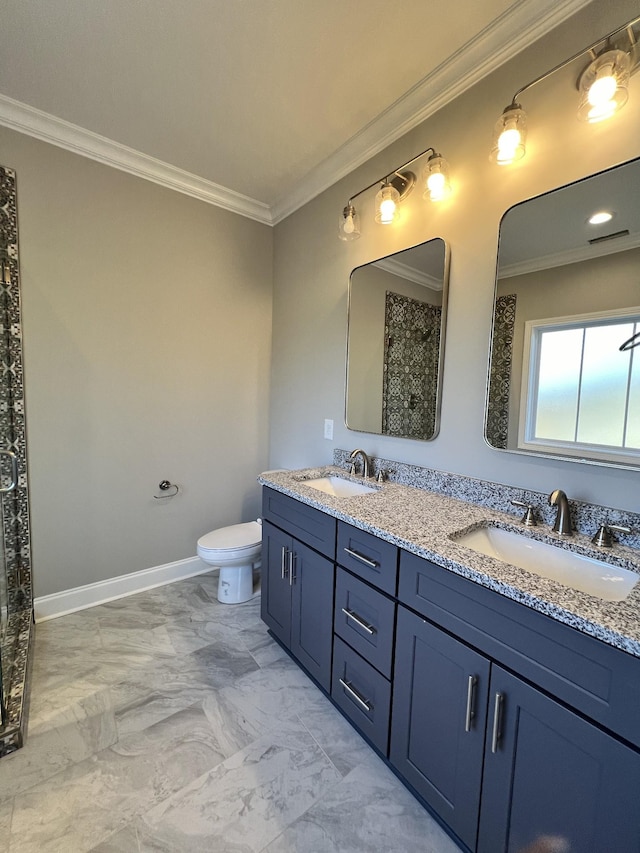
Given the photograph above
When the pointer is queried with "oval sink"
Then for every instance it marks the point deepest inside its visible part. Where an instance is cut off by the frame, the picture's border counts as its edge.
(339, 487)
(586, 574)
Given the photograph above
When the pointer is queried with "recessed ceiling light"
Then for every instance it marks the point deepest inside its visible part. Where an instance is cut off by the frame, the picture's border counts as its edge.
(600, 217)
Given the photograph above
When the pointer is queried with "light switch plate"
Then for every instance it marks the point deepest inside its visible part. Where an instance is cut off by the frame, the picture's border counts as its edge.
(328, 429)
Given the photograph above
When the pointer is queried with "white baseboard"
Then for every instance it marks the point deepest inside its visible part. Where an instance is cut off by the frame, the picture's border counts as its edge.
(81, 597)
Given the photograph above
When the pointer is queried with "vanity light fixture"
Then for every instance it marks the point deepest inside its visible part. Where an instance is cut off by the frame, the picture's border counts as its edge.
(394, 188)
(603, 87)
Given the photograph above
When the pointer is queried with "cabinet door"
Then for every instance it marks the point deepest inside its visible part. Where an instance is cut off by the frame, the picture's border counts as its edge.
(553, 781)
(275, 605)
(438, 721)
(312, 612)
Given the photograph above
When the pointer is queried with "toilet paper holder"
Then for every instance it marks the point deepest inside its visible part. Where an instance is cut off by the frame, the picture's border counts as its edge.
(165, 486)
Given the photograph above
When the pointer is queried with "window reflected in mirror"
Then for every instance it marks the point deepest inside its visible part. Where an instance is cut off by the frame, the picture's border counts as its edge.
(397, 308)
(565, 362)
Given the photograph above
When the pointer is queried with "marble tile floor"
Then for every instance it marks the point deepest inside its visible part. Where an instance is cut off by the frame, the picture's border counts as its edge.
(169, 723)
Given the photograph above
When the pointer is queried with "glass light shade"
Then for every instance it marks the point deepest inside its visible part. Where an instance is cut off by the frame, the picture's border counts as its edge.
(509, 136)
(436, 175)
(387, 201)
(604, 86)
(349, 225)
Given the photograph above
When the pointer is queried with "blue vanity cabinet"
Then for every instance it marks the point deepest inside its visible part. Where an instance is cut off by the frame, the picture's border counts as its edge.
(516, 730)
(548, 773)
(504, 765)
(483, 729)
(298, 584)
(440, 696)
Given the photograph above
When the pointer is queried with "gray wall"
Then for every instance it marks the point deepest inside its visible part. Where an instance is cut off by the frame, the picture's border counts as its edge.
(312, 268)
(147, 334)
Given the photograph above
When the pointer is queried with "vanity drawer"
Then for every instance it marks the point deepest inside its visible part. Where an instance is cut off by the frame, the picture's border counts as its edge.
(362, 693)
(593, 677)
(365, 618)
(309, 525)
(368, 557)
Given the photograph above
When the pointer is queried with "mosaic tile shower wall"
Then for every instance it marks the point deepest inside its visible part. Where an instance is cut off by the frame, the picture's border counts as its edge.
(500, 375)
(410, 373)
(16, 597)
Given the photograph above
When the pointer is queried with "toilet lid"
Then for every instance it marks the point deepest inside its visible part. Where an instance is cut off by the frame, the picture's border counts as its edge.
(235, 536)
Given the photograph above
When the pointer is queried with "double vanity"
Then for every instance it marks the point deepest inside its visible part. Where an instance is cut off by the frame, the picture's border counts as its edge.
(505, 700)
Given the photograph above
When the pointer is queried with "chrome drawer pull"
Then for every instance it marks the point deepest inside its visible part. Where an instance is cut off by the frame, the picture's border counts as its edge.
(360, 622)
(471, 691)
(292, 559)
(359, 699)
(371, 563)
(497, 714)
(283, 569)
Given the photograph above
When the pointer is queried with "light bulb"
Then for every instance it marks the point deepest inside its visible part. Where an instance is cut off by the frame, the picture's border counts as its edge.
(509, 136)
(387, 201)
(387, 211)
(603, 88)
(508, 144)
(349, 224)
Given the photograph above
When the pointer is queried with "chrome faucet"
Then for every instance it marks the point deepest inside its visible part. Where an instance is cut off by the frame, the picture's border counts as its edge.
(562, 524)
(366, 464)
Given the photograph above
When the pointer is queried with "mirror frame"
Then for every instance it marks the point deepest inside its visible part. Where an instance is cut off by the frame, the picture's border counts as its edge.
(552, 455)
(443, 325)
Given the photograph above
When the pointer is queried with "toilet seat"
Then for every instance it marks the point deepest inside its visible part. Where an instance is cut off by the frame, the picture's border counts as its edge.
(237, 537)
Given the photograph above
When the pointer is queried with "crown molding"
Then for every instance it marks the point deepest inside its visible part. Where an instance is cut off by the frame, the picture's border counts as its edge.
(524, 22)
(71, 137)
(409, 273)
(500, 41)
(570, 256)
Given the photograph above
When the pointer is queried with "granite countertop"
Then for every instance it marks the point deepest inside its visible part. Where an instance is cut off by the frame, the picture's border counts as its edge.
(424, 522)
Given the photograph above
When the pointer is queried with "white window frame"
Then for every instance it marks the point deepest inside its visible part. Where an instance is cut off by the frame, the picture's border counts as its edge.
(529, 388)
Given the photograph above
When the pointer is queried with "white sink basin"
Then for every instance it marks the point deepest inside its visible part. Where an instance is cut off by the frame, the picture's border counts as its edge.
(339, 487)
(610, 583)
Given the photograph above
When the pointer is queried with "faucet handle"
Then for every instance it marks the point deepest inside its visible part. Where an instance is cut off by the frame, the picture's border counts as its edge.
(604, 537)
(383, 474)
(528, 519)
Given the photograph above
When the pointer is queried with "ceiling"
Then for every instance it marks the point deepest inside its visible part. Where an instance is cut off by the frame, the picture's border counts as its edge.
(255, 105)
(553, 229)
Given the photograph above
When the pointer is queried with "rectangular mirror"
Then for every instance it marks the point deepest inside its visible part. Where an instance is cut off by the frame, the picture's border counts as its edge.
(395, 342)
(564, 376)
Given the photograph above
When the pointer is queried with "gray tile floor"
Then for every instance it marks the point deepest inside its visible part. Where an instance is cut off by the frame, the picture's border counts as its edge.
(169, 722)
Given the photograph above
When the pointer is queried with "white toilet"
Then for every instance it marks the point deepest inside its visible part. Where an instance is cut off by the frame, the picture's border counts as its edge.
(236, 550)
